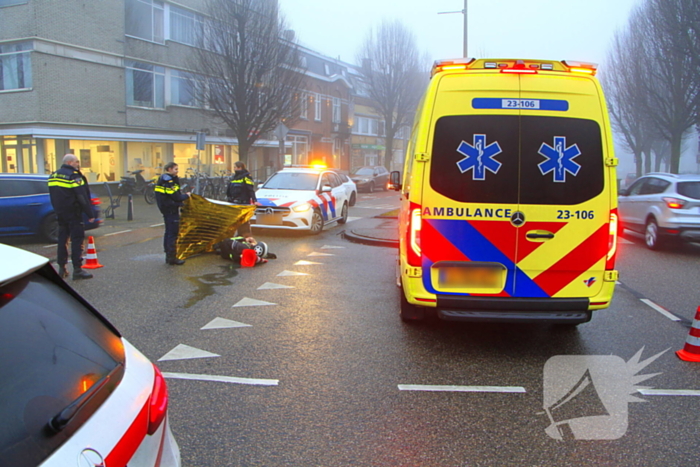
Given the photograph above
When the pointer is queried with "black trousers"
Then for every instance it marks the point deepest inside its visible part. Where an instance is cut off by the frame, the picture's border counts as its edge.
(70, 227)
(172, 227)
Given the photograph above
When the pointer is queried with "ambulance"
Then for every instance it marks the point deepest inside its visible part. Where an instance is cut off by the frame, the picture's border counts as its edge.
(508, 196)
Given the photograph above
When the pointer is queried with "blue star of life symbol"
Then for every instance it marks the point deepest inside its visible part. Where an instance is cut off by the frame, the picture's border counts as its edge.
(560, 159)
(479, 157)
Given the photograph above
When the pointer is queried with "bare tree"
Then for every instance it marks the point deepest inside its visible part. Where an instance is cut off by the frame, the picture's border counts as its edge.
(394, 77)
(670, 79)
(248, 70)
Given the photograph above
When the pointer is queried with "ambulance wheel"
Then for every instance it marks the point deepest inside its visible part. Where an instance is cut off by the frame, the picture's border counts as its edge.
(316, 222)
(410, 312)
(651, 234)
(344, 215)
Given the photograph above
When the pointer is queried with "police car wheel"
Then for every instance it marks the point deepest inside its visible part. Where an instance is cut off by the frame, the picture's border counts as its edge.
(316, 222)
(344, 215)
(353, 199)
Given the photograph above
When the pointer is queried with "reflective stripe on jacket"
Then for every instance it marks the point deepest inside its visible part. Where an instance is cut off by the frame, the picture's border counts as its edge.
(241, 190)
(168, 195)
(69, 192)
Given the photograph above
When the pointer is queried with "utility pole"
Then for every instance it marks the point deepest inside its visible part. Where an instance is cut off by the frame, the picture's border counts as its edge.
(464, 12)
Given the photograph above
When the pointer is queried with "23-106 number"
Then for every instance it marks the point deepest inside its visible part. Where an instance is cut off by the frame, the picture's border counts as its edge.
(575, 214)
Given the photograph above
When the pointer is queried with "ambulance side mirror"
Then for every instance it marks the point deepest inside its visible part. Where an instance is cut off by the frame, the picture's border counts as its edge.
(395, 180)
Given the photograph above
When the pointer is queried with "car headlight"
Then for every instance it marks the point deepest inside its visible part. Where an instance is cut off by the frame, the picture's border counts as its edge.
(302, 207)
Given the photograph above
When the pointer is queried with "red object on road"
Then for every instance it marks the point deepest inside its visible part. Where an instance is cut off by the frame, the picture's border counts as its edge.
(691, 350)
(248, 258)
(91, 256)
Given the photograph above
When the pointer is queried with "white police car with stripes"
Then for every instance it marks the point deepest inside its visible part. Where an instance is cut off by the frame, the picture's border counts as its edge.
(301, 198)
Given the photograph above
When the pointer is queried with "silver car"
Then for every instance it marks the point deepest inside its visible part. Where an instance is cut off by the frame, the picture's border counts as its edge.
(664, 207)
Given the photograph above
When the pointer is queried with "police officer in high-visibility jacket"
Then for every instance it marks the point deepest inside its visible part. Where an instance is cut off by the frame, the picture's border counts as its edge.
(169, 199)
(70, 198)
(241, 190)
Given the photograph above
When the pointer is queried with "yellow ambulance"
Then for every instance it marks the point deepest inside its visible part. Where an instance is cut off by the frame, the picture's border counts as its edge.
(508, 196)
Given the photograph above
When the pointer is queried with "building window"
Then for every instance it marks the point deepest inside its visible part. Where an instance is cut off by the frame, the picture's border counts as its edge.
(15, 66)
(368, 126)
(304, 106)
(185, 26)
(145, 19)
(317, 107)
(145, 85)
(184, 89)
(336, 110)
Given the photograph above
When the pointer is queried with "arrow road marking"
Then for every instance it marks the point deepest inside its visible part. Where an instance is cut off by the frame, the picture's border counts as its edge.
(324, 247)
(270, 285)
(184, 352)
(222, 323)
(251, 302)
(223, 379)
(292, 273)
(669, 392)
(424, 387)
(304, 263)
(316, 253)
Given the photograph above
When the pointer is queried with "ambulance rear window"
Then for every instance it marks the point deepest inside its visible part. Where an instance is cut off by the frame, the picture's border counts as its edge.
(508, 159)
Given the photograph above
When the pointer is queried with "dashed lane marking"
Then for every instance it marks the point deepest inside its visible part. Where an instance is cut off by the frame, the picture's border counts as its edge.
(51, 246)
(271, 285)
(184, 352)
(423, 387)
(304, 263)
(328, 247)
(291, 273)
(350, 219)
(223, 379)
(223, 323)
(316, 253)
(661, 310)
(158, 225)
(116, 233)
(669, 392)
(252, 302)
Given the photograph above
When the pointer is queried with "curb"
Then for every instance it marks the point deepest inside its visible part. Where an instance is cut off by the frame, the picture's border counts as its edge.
(357, 238)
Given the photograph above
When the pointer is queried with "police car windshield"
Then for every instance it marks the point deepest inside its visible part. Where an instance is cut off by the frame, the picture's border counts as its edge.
(292, 181)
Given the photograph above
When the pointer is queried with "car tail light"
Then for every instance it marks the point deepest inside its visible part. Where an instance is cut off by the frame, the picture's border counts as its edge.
(612, 241)
(96, 201)
(414, 227)
(158, 403)
(674, 203)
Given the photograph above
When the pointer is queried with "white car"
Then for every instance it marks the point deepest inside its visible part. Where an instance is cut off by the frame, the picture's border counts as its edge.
(350, 188)
(73, 391)
(301, 198)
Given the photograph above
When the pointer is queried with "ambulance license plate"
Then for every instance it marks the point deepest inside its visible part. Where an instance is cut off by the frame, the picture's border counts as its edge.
(476, 277)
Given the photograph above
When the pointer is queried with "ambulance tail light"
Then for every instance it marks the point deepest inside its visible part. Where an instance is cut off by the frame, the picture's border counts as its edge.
(612, 241)
(413, 250)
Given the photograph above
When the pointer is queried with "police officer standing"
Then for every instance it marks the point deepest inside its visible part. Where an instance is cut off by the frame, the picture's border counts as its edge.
(70, 198)
(241, 190)
(169, 199)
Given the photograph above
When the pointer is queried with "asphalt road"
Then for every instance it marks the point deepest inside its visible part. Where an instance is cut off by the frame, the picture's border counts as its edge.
(330, 376)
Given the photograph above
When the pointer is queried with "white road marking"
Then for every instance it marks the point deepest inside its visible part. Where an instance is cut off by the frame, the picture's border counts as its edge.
(661, 310)
(252, 302)
(304, 263)
(271, 285)
(424, 387)
(184, 352)
(158, 225)
(292, 273)
(316, 253)
(350, 219)
(51, 246)
(669, 392)
(116, 233)
(222, 379)
(328, 247)
(222, 323)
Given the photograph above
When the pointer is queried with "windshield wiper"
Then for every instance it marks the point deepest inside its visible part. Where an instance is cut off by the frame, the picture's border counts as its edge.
(59, 421)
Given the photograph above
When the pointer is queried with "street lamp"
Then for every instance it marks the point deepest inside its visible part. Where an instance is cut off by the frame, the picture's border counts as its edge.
(464, 12)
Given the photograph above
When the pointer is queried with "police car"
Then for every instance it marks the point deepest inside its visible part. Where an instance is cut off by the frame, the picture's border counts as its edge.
(74, 391)
(301, 198)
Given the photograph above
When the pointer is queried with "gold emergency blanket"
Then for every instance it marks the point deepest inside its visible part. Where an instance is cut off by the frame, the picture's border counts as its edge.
(205, 222)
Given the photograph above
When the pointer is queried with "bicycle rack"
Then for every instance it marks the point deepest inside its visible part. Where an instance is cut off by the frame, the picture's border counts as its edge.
(113, 203)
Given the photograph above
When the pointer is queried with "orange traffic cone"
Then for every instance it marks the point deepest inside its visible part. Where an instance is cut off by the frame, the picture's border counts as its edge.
(91, 256)
(691, 350)
(248, 258)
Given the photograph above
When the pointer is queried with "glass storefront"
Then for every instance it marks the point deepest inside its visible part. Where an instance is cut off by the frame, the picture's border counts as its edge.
(100, 161)
(18, 154)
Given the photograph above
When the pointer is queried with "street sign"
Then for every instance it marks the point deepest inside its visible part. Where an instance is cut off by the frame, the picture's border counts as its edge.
(201, 140)
(281, 131)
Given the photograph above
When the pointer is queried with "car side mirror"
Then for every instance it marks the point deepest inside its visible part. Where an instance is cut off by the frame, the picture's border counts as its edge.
(623, 192)
(395, 180)
(326, 189)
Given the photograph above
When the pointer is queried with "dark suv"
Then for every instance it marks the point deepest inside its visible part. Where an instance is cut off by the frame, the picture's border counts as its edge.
(664, 207)
(25, 207)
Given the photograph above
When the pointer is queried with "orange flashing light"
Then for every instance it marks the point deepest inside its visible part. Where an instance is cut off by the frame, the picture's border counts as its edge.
(586, 71)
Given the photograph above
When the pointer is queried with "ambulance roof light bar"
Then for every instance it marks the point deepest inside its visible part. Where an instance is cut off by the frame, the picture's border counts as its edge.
(520, 68)
(581, 67)
(451, 64)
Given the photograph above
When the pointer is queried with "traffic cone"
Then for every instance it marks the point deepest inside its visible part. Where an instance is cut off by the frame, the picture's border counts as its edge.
(248, 258)
(691, 350)
(91, 256)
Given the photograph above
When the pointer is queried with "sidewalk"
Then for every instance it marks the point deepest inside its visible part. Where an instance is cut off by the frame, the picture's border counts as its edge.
(377, 231)
(144, 215)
